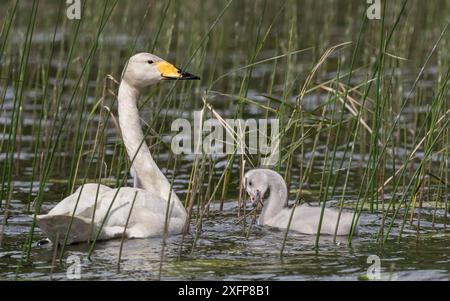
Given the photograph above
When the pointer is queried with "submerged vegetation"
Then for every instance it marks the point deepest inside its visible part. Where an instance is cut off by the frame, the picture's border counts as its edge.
(363, 105)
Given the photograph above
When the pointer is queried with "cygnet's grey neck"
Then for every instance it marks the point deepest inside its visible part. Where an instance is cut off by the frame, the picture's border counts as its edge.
(277, 199)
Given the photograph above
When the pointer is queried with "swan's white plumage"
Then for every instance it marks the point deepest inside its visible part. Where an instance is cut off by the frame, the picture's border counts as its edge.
(90, 204)
(147, 218)
(276, 214)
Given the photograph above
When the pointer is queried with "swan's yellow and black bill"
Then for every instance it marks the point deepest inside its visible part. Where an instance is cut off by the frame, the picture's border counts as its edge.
(170, 72)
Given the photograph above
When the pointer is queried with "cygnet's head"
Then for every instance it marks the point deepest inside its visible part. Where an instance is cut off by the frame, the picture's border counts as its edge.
(145, 69)
(256, 184)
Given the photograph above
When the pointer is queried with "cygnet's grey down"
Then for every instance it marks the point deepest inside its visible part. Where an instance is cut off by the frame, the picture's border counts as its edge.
(269, 188)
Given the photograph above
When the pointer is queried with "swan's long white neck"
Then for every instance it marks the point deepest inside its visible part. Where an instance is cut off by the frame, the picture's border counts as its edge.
(150, 176)
(277, 198)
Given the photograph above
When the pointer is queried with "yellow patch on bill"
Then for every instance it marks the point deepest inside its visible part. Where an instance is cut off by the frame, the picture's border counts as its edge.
(168, 70)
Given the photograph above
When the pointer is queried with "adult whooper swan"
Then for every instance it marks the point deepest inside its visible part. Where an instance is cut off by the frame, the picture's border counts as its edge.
(90, 202)
(275, 212)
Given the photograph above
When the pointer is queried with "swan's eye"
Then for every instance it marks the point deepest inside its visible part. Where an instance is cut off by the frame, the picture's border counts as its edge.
(150, 62)
(250, 183)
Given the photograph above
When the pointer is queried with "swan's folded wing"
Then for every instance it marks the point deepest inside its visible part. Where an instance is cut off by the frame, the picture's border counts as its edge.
(147, 217)
(90, 195)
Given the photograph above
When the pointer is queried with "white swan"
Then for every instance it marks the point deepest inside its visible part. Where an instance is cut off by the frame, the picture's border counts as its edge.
(275, 212)
(148, 217)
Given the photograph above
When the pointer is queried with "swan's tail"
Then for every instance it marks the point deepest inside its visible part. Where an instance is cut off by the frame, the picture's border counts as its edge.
(56, 226)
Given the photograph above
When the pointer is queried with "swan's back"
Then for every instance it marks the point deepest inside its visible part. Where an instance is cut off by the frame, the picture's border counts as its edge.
(89, 192)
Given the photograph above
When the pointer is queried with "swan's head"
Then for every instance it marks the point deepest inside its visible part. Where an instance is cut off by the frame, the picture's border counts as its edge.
(145, 69)
(256, 184)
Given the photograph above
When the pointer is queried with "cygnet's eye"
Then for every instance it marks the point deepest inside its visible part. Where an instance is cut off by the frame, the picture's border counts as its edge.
(150, 61)
(250, 183)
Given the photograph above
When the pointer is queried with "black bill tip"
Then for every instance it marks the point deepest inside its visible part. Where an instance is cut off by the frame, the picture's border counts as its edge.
(188, 76)
(183, 76)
